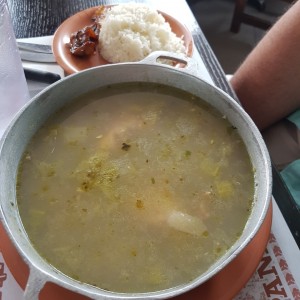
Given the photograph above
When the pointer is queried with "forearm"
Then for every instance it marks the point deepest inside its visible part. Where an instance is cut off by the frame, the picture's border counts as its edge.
(268, 82)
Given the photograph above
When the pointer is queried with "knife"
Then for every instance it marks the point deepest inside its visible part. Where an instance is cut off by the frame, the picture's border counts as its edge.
(35, 47)
(37, 56)
(42, 76)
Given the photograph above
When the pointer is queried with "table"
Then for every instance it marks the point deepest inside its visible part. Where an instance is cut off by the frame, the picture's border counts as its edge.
(41, 18)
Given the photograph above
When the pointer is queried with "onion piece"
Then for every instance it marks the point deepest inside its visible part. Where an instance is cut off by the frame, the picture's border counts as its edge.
(186, 223)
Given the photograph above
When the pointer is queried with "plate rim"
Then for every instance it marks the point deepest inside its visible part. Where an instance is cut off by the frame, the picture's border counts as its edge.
(70, 68)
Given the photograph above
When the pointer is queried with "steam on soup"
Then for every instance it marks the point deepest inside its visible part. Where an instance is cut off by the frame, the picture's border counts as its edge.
(135, 188)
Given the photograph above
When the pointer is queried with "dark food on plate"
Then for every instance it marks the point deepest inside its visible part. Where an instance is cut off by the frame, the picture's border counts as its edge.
(84, 42)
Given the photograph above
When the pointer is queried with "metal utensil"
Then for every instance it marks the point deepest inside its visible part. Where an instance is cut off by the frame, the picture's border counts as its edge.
(35, 47)
(37, 56)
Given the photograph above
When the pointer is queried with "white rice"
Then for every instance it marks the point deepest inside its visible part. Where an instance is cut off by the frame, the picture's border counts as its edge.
(129, 32)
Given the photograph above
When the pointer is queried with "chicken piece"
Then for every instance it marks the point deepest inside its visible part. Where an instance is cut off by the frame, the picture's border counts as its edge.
(117, 131)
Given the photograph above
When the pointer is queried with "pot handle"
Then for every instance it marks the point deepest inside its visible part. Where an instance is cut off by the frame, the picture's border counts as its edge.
(181, 61)
(35, 283)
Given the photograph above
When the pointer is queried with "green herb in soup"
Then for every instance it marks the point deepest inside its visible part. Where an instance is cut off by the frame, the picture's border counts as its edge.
(135, 188)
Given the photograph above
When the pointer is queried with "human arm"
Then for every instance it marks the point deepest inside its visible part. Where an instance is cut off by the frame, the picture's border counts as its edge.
(268, 82)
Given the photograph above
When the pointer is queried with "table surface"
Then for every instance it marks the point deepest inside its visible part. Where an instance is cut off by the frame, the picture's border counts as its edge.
(41, 18)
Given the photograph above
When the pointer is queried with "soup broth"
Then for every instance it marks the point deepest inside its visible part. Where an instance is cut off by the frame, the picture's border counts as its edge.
(135, 188)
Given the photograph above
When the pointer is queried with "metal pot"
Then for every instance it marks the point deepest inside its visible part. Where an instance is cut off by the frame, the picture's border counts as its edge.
(34, 114)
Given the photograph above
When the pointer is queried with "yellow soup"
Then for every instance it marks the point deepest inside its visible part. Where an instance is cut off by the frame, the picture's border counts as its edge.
(135, 188)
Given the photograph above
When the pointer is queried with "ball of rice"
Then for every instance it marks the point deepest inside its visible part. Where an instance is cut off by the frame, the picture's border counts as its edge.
(129, 32)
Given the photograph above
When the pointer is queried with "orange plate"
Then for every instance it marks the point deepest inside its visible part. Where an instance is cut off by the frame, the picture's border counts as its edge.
(72, 64)
(223, 286)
